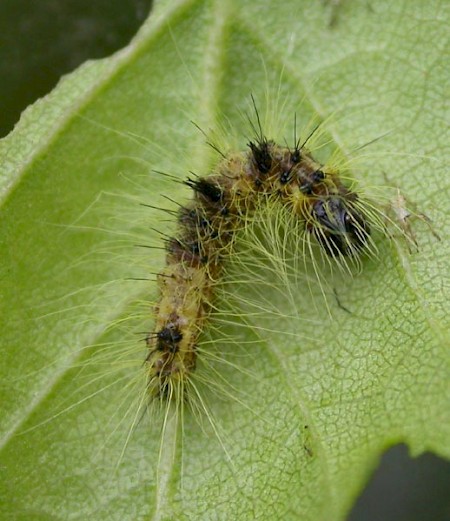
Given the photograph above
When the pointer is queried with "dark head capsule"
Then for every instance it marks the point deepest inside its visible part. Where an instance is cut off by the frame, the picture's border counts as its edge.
(338, 226)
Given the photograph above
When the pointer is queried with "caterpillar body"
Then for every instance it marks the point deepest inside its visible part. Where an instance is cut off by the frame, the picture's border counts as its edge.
(241, 183)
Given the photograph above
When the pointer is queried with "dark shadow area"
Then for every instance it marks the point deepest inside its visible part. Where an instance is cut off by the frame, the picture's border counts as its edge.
(406, 489)
(42, 40)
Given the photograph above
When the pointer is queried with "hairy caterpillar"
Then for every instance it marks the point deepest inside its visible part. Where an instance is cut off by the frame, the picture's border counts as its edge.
(242, 183)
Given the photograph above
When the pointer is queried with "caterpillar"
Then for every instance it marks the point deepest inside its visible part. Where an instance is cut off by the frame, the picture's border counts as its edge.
(240, 185)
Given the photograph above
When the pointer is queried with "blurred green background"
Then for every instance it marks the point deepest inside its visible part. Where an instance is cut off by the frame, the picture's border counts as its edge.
(42, 40)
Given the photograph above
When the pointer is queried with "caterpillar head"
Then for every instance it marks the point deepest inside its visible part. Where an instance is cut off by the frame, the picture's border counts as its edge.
(338, 225)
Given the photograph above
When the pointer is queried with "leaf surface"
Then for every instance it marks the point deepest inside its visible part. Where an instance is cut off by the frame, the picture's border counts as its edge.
(314, 408)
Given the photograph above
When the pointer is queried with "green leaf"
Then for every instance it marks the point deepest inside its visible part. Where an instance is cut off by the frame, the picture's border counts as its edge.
(304, 415)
